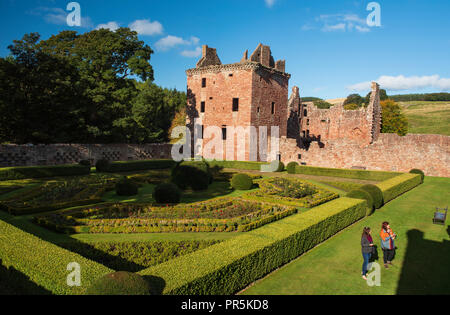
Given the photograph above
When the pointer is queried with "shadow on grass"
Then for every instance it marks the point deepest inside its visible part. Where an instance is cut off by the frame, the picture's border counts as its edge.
(14, 282)
(426, 266)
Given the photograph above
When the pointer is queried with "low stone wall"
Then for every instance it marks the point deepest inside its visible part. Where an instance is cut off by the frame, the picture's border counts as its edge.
(430, 153)
(57, 154)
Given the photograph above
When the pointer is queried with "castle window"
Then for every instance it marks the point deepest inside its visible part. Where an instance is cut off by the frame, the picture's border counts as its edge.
(273, 108)
(305, 113)
(304, 133)
(230, 75)
(203, 82)
(259, 110)
(224, 132)
(202, 107)
(299, 156)
(307, 122)
(235, 104)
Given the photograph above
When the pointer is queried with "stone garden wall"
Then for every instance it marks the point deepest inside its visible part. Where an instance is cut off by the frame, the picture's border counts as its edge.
(56, 154)
(430, 153)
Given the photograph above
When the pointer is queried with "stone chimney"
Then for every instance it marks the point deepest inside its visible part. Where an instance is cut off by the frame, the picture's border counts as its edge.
(209, 57)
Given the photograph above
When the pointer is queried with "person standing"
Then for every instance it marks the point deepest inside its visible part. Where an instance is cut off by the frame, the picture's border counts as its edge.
(367, 248)
(387, 243)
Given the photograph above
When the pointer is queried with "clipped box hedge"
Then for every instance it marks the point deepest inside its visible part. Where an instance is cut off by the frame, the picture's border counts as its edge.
(230, 266)
(45, 263)
(14, 173)
(240, 165)
(131, 166)
(345, 173)
(394, 187)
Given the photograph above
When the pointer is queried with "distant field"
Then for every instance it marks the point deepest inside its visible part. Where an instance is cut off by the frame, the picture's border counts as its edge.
(428, 117)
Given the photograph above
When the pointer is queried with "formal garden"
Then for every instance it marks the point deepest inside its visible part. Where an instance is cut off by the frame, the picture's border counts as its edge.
(160, 227)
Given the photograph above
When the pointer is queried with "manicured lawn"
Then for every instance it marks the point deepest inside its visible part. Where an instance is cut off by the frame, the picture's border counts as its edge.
(421, 265)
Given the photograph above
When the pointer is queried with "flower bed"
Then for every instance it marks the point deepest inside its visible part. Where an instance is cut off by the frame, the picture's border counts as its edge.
(291, 192)
(217, 215)
(55, 195)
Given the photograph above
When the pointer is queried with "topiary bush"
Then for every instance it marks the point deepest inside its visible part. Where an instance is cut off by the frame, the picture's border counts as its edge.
(102, 165)
(376, 194)
(280, 167)
(362, 194)
(242, 182)
(420, 172)
(120, 283)
(167, 193)
(85, 163)
(192, 174)
(291, 167)
(126, 187)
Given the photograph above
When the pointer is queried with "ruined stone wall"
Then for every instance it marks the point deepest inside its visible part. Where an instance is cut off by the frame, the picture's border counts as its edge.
(430, 153)
(336, 123)
(58, 154)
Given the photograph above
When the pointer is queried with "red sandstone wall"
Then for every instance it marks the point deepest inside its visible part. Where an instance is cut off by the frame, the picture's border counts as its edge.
(255, 90)
(430, 153)
(337, 123)
(218, 95)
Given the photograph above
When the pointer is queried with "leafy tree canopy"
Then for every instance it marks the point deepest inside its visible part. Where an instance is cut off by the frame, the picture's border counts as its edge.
(393, 120)
(91, 87)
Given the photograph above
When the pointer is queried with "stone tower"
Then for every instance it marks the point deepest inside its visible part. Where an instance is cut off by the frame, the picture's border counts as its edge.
(252, 92)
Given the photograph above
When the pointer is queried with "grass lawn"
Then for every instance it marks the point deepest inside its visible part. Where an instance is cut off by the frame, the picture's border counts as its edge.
(421, 265)
(428, 117)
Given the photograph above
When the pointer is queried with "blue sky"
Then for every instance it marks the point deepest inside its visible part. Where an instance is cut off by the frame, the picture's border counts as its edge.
(328, 46)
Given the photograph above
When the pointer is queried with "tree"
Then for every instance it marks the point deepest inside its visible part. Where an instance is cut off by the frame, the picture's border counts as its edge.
(178, 121)
(354, 99)
(71, 87)
(322, 104)
(351, 106)
(39, 95)
(152, 112)
(393, 120)
(383, 96)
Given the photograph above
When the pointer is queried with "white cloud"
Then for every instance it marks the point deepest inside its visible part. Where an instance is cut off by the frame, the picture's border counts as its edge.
(58, 16)
(195, 40)
(401, 82)
(332, 28)
(338, 23)
(170, 41)
(146, 27)
(270, 3)
(109, 26)
(192, 53)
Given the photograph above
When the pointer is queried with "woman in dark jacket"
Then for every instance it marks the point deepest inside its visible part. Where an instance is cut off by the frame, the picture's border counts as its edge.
(366, 246)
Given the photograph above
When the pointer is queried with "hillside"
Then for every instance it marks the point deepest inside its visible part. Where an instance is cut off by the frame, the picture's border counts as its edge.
(428, 117)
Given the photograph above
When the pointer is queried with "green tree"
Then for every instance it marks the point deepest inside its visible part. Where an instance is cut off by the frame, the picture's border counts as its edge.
(393, 120)
(39, 95)
(383, 96)
(71, 87)
(152, 112)
(354, 99)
